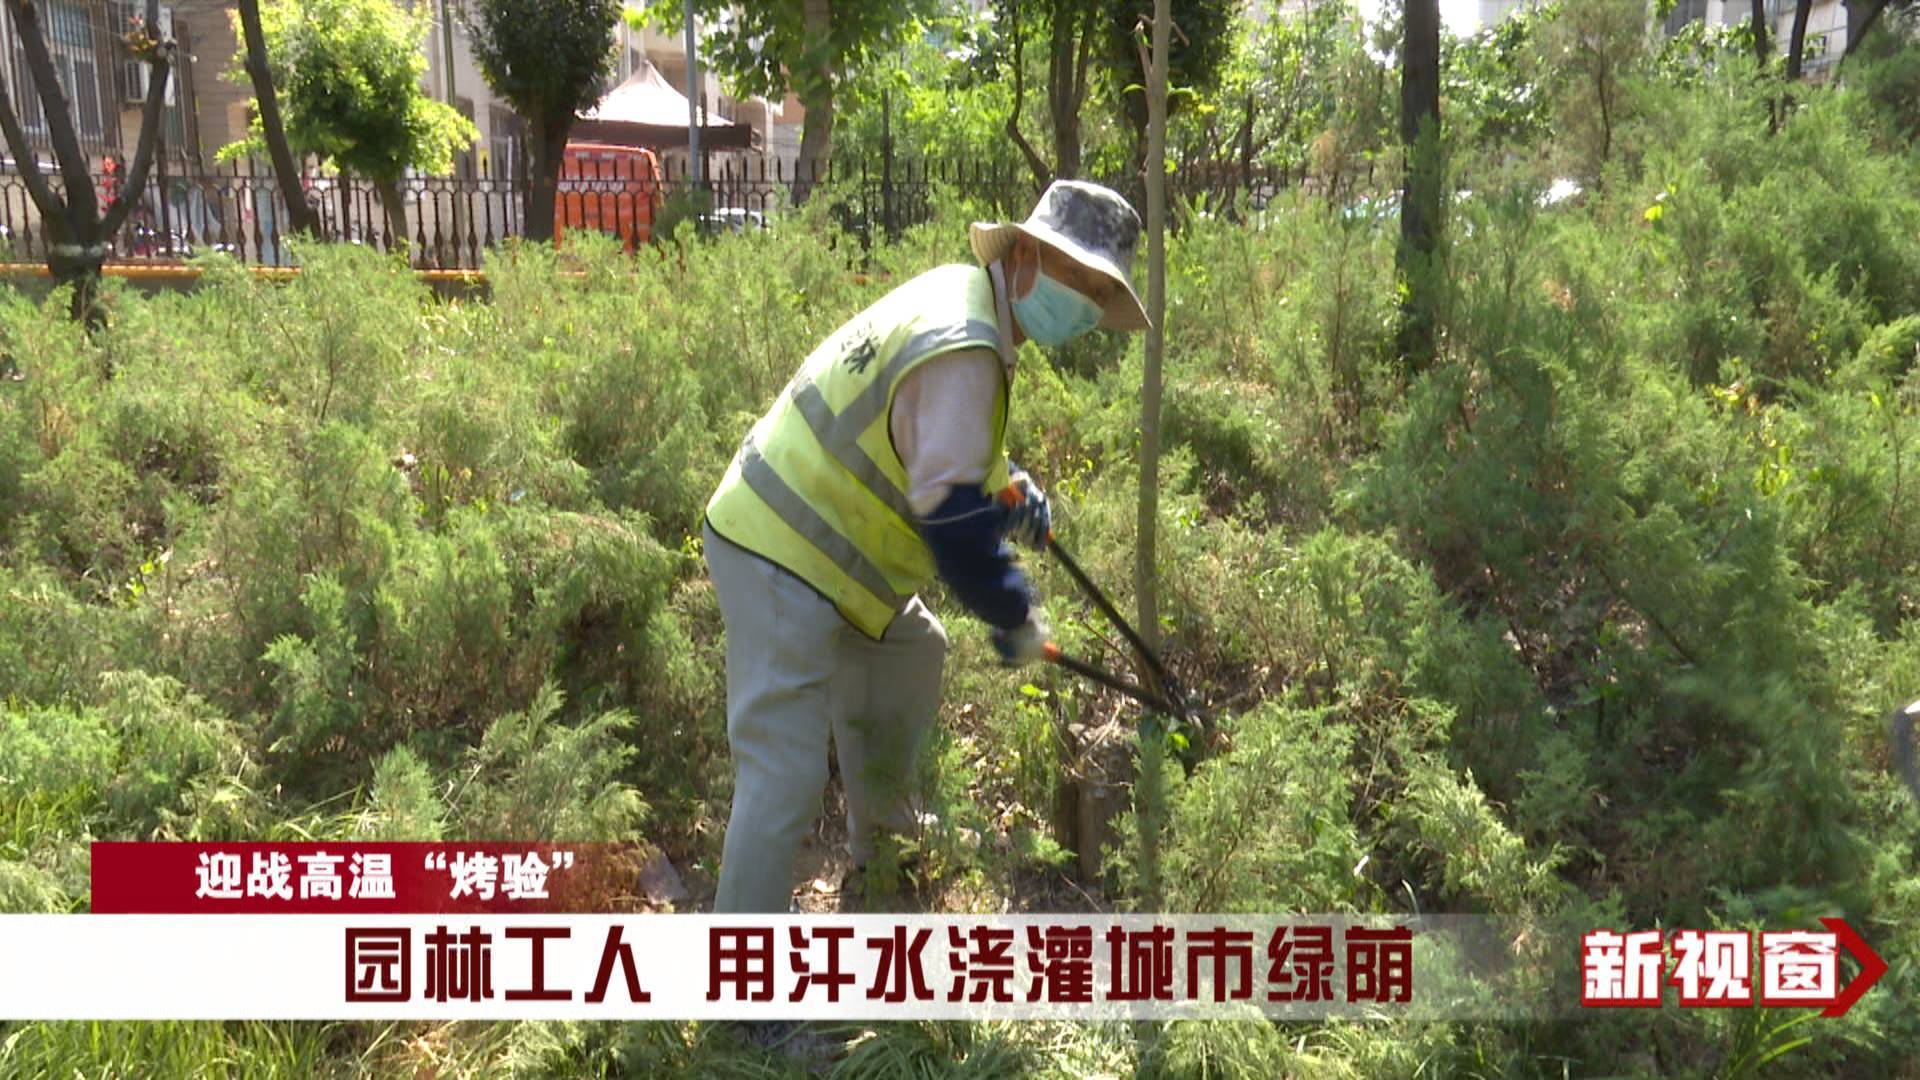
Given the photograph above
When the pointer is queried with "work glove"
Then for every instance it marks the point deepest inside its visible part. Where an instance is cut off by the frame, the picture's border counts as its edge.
(1025, 643)
(1029, 518)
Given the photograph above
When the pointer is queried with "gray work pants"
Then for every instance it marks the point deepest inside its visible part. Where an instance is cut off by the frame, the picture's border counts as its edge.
(797, 671)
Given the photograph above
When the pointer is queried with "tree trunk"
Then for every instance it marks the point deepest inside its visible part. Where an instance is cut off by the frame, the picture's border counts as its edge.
(1155, 176)
(1606, 118)
(1861, 15)
(816, 143)
(1762, 41)
(1152, 797)
(395, 204)
(1797, 44)
(300, 216)
(1072, 38)
(1035, 164)
(816, 130)
(546, 151)
(75, 227)
(1420, 196)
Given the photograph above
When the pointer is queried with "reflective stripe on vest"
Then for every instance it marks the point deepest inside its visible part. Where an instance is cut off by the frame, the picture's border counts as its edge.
(817, 487)
(808, 523)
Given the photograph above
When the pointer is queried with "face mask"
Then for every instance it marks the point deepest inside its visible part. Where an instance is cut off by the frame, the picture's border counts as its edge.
(1052, 314)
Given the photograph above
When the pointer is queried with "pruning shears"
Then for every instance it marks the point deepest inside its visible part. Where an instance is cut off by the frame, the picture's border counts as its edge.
(1166, 697)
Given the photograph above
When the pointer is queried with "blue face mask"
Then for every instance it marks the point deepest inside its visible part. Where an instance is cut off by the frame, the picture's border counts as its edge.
(1052, 314)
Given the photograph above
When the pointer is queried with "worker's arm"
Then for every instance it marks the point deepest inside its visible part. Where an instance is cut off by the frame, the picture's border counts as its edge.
(942, 429)
(964, 534)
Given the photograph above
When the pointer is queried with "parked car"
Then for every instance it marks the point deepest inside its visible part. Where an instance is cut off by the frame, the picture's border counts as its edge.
(732, 219)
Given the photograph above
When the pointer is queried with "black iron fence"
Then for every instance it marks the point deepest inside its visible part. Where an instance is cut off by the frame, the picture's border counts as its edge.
(450, 222)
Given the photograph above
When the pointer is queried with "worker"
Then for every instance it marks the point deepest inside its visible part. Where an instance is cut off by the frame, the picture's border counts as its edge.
(881, 464)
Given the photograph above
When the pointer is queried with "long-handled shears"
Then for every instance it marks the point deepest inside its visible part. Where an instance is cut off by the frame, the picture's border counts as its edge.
(1171, 700)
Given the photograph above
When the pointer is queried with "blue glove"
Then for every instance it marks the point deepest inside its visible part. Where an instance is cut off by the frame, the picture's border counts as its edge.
(1029, 518)
(1025, 643)
(964, 536)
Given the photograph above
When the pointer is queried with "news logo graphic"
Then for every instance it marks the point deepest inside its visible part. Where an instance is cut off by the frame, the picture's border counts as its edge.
(1716, 969)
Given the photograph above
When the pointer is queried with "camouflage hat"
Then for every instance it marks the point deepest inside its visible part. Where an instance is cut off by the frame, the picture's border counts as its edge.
(1092, 225)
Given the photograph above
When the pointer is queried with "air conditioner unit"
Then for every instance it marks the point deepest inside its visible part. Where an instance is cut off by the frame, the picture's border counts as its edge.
(135, 73)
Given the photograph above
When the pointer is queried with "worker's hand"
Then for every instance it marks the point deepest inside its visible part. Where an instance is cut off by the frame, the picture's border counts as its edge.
(1025, 643)
(1029, 518)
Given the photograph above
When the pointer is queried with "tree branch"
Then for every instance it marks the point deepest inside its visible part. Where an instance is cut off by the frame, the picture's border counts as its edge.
(1041, 173)
(150, 120)
(81, 201)
(42, 193)
(1086, 50)
(272, 128)
(1797, 43)
(1857, 35)
(1056, 92)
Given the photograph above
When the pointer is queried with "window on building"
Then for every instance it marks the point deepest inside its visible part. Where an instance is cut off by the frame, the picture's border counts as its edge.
(122, 14)
(70, 41)
(1819, 50)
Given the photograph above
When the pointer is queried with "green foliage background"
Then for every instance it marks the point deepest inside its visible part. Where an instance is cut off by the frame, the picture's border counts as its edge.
(348, 74)
(1594, 624)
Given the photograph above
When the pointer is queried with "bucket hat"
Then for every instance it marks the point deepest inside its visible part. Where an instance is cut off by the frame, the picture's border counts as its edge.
(1092, 225)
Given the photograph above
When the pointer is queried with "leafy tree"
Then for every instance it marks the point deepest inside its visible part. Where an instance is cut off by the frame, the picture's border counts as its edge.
(1421, 197)
(1493, 89)
(267, 126)
(1202, 45)
(550, 59)
(1316, 93)
(350, 71)
(1278, 90)
(808, 46)
(940, 96)
(76, 227)
(1071, 28)
(1595, 48)
(1887, 74)
(1864, 15)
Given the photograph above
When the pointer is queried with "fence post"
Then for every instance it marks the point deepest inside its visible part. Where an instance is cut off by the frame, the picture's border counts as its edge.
(886, 163)
(486, 208)
(160, 164)
(420, 221)
(253, 203)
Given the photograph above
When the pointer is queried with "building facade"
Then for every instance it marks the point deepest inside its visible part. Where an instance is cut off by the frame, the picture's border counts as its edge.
(105, 86)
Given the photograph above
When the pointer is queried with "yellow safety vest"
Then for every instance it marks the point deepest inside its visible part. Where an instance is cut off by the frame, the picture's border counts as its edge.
(817, 487)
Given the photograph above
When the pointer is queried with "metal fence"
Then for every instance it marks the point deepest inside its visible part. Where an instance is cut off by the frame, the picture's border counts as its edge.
(452, 221)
